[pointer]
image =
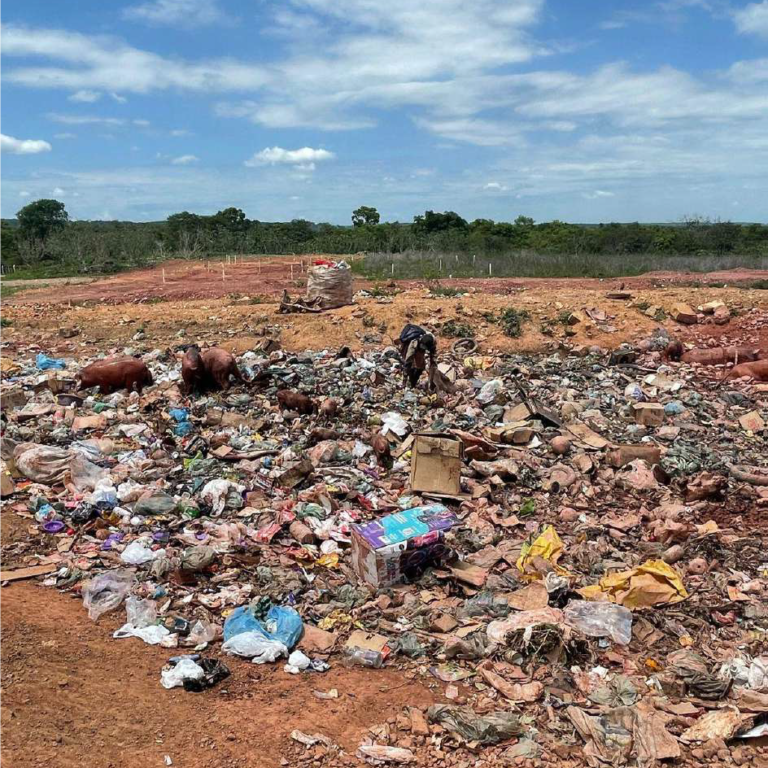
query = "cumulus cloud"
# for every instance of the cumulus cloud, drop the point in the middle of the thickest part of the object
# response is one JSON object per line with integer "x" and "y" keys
{"x": 496, "y": 186}
{"x": 753, "y": 19}
{"x": 85, "y": 96}
{"x": 303, "y": 159}
{"x": 57, "y": 192}
{"x": 177, "y": 13}
{"x": 23, "y": 146}
{"x": 24, "y": 193}
{"x": 184, "y": 160}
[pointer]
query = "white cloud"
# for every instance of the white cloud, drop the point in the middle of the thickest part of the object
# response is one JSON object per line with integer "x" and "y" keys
{"x": 23, "y": 146}
{"x": 65, "y": 135}
{"x": 118, "y": 98}
{"x": 85, "y": 96}
{"x": 141, "y": 123}
{"x": 303, "y": 159}
{"x": 753, "y": 19}
{"x": 598, "y": 193}
{"x": 496, "y": 186}
{"x": 84, "y": 119}
{"x": 58, "y": 192}
{"x": 184, "y": 160}
{"x": 105, "y": 63}
{"x": 177, "y": 13}
{"x": 180, "y": 132}
{"x": 24, "y": 193}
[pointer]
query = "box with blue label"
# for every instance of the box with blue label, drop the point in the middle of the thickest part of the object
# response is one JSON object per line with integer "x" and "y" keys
{"x": 400, "y": 546}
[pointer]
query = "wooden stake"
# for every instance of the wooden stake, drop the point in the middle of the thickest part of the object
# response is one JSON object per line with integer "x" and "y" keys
{"x": 393, "y": 267}
{"x": 490, "y": 268}
{"x": 163, "y": 275}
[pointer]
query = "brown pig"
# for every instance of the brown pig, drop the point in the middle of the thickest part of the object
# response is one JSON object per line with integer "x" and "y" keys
{"x": 329, "y": 407}
{"x": 114, "y": 374}
{"x": 210, "y": 369}
{"x": 219, "y": 366}
{"x": 757, "y": 371}
{"x": 289, "y": 400}
{"x": 381, "y": 448}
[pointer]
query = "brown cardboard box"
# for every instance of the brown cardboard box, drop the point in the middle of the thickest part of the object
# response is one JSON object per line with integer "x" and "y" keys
{"x": 649, "y": 414}
{"x": 436, "y": 463}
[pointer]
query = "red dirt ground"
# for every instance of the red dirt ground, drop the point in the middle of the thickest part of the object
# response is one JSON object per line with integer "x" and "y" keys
{"x": 74, "y": 696}
{"x": 269, "y": 276}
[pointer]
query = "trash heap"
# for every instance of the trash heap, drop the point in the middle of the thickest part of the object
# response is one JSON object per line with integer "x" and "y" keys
{"x": 570, "y": 549}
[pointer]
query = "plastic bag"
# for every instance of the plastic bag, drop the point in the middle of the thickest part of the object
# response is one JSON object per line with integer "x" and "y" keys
{"x": 106, "y": 591}
{"x": 600, "y": 620}
{"x": 394, "y": 422}
{"x": 245, "y": 635}
{"x": 42, "y": 463}
{"x": 490, "y": 391}
{"x": 152, "y": 635}
{"x": 201, "y": 632}
{"x": 85, "y": 474}
{"x": 297, "y": 662}
{"x": 255, "y": 646}
{"x": 332, "y": 284}
{"x": 486, "y": 729}
{"x": 140, "y": 613}
{"x": 197, "y": 558}
{"x": 129, "y": 491}
{"x": 215, "y": 493}
{"x": 45, "y": 363}
{"x": 158, "y": 503}
{"x": 184, "y": 669}
{"x": 137, "y": 553}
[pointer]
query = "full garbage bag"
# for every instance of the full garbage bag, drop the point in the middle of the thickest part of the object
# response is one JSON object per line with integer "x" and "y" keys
{"x": 245, "y": 635}
{"x": 138, "y": 553}
{"x": 185, "y": 669}
{"x": 331, "y": 283}
{"x": 157, "y": 504}
{"x": 42, "y": 463}
{"x": 106, "y": 591}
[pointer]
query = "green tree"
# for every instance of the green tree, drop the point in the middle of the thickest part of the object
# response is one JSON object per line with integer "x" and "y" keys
{"x": 37, "y": 222}
{"x": 365, "y": 214}
{"x": 432, "y": 222}
{"x": 8, "y": 244}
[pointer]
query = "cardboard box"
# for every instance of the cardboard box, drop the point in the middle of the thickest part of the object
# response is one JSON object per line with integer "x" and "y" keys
{"x": 399, "y": 546}
{"x": 649, "y": 414}
{"x": 436, "y": 463}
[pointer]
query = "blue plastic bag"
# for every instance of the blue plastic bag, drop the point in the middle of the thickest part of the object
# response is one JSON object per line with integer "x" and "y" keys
{"x": 183, "y": 428}
{"x": 180, "y": 414}
{"x": 45, "y": 363}
{"x": 283, "y": 624}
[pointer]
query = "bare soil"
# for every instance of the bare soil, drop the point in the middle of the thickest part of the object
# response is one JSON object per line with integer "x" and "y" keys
{"x": 74, "y": 696}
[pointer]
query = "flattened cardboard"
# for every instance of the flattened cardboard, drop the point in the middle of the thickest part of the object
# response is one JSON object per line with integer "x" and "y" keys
{"x": 436, "y": 462}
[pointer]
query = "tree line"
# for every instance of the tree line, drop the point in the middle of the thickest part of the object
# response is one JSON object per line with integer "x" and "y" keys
{"x": 43, "y": 234}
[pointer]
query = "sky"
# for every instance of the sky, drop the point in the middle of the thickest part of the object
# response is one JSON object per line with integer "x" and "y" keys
{"x": 579, "y": 110}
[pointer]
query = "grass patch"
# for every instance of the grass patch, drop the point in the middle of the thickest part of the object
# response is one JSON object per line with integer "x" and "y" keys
{"x": 5, "y": 322}
{"x": 511, "y": 321}
{"x": 445, "y": 291}
{"x": 455, "y": 329}
{"x": 758, "y": 285}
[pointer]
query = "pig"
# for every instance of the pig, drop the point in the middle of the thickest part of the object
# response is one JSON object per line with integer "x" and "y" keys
{"x": 673, "y": 351}
{"x": 289, "y": 400}
{"x": 210, "y": 369}
{"x": 381, "y": 448}
{"x": 114, "y": 374}
{"x": 757, "y": 371}
{"x": 721, "y": 355}
{"x": 329, "y": 407}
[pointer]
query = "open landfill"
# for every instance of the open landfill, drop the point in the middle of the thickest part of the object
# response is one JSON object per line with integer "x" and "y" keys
{"x": 565, "y": 551}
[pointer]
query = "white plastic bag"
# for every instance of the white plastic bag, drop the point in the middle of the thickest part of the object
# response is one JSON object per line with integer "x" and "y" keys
{"x": 137, "y": 553}
{"x": 186, "y": 669}
{"x": 600, "y": 620}
{"x": 253, "y": 645}
{"x": 297, "y": 662}
{"x": 489, "y": 391}
{"x": 394, "y": 422}
{"x": 215, "y": 493}
{"x": 140, "y": 613}
{"x": 152, "y": 635}
{"x": 106, "y": 591}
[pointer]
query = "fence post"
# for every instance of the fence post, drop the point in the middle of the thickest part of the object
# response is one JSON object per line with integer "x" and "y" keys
{"x": 490, "y": 269}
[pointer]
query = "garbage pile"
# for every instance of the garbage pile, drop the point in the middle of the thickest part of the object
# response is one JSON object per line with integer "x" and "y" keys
{"x": 572, "y": 548}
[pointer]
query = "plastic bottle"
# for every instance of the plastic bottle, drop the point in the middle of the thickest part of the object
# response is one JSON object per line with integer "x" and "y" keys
{"x": 363, "y": 657}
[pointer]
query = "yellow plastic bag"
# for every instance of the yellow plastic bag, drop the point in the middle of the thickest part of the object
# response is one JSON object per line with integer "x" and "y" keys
{"x": 548, "y": 546}
{"x": 652, "y": 583}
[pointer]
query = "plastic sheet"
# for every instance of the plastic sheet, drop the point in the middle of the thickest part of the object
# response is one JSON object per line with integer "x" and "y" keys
{"x": 106, "y": 591}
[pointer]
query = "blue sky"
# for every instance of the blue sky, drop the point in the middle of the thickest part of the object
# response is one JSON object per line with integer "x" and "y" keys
{"x": 580, "y": 110}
